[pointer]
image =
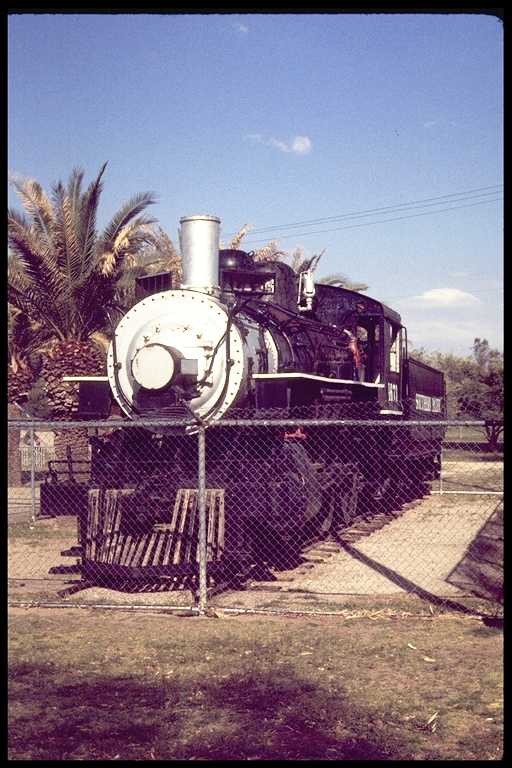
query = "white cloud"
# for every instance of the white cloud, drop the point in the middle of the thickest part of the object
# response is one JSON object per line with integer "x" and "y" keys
{"x": 454, "y": 335}
{"x": 242, "y": 28}
{"x": 281, "y": 145}
{"x": 446, "y": 319}
{"x": 444, "y": 298}
{"x": 299, "y": 145}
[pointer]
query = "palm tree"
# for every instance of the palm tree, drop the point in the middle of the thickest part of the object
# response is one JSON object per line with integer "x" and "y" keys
{"x": 160, "y": 255}
{"x": 13, "y": 449}
{"x": 63, "y": 275}
{"x": 19, "y": 381}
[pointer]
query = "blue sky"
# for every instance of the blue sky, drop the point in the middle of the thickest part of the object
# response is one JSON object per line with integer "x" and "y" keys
{"x": 274, "y": 120}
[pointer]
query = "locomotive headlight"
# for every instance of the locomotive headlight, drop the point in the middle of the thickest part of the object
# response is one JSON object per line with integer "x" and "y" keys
{"x": 153, "y": 366}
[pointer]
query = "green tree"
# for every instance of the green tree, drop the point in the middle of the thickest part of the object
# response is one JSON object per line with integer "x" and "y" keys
{"x": 483, "y": 396}
{"x": 474, "y": 385}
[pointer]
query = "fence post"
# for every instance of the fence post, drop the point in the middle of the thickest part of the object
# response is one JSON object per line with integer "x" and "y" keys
{"x": 441, "y": 471}
{"x": 201, "y": 502}
{"x": 33, "y": 473}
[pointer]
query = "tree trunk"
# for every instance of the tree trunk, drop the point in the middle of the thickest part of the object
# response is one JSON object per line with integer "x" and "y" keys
{"x": 493, "y": 432}
{"x": 14, "y": 476}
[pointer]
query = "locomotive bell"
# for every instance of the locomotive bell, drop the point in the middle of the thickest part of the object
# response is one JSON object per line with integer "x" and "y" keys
{"x": 199, "y": 242}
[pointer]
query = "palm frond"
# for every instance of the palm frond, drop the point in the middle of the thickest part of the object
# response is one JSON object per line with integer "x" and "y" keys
{"x": 26, "y": 337}
{"x": 135, "y": 206}
{"x": 166, "y": 245}
{"x": 17, "y": 329}
{"x": 297, "y": 259}
{"x": 315, "y": 260}
{"x": 237, "y": 239}
{"x": 30, "y": 303}
{"x": 17, "y": 276}
{"x": 37, "y": 205}
{"x": 74, "y": 194}
{"x": 71, "y": 246}
{"x": 88, "y": 209}
{"x": 163, "y": 256}
{"x": 35, "y": 258}
{"x": 269, "y": 252}
{"x": 302, "y": 263}
{"x": 342, "y": 281}
{"x": 129, "y": 275}
{"x": 129, "y": 240}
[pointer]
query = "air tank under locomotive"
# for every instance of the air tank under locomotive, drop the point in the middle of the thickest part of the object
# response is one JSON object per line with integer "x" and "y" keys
{"x": 243, "y": 338}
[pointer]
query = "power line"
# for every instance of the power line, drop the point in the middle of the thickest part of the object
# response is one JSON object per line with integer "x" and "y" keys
{"x": 465, "y": 195}
{"x": 371, "y": 223}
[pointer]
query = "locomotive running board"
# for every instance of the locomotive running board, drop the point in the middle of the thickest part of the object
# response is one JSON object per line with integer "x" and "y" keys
{"x": 314, "y": 377}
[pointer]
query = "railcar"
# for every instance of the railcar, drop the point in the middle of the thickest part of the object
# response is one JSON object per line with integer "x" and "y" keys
{"x": 240, "y": 338}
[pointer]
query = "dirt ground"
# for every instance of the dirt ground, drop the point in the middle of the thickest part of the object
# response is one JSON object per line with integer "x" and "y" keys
{"x": 415, "y": 552}
{"x": 425, "y": 551}
{"x": 367, "y": 685}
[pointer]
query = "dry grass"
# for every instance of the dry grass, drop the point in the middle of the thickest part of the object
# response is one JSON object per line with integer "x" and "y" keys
{"x": 94, "y": 685}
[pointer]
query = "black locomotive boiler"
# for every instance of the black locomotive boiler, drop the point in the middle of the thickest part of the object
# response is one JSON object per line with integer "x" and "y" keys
{"x": 246, "y": 339}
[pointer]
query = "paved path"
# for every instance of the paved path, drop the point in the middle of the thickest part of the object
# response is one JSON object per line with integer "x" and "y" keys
{"x": 420, "y": 548}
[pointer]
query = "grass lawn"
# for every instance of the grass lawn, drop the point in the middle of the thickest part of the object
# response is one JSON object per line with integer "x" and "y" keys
{"x": 97, "y": 685}
{"x": 468, "y": 434}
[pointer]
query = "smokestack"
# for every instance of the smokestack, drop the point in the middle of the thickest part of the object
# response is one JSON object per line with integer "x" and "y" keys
{"x": 199, "y": 243}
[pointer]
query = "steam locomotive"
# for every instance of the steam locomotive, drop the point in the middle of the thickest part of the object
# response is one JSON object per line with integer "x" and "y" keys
{"x": 251, "y": 339}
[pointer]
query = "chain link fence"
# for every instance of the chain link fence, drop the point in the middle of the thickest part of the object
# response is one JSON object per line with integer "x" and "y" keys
{"x": 270, "y": 515}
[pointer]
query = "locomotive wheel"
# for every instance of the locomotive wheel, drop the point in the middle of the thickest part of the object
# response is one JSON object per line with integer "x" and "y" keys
{"x": 350, "y": 499}
{"x": 298, "y": 467}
